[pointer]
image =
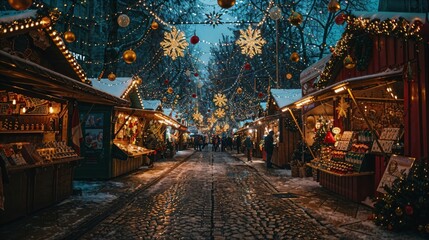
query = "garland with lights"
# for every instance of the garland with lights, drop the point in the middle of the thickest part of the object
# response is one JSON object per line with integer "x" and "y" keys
{"x": 357, "y": 28}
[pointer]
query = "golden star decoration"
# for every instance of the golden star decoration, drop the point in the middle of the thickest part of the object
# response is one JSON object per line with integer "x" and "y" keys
{"x": 174, "y": 43}
{"x": 197, "y": 116}
{"x": 250, "y": 42}
{"x": 220, "y": 113}
{"x": 220, "y": 99}
{"x": 342, "y": 108}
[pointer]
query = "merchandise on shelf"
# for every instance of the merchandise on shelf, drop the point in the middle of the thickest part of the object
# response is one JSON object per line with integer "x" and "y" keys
{"x": 55, "y": 150}
{"x": 132, "y": 150}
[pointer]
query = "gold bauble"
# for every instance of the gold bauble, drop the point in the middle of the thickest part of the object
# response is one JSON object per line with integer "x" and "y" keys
{"x": 289, "y": 76}
{"x": 69, "y": 36}
{"x": 348, "y": 62}
{"x": 129, "y": 56}
{"x": 123, "y": 20}
{"x": 45, "y": 22}
{"x": 164, "y": 99}
{"x": 295, "y": 18}
{"x": 111, "y": 76}
{"x": 226, "y": 3}
{"x": 333, "y": 6}
{"x": 294, "y": 57}
{"x": 20, "y": 4}
{"x": 170, "y": 90}
{"x": 154, "y": 25}
{"x": 239, "y": 90}
{"x": 398, "y": 211}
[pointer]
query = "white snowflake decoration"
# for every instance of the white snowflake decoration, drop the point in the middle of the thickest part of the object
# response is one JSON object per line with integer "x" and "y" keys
{"x": 197, "y": 117}
{"x": 250, "y": 42}
{"x": 220, "y": 99}
{"x": 342, "y": 108}
{"x": 220, "y": 113}
{"x": 174, "y": 43}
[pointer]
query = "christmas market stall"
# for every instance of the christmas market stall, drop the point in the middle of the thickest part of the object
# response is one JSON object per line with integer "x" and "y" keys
{"x": 41, "y": 87}
{"x": 368, "y": 103}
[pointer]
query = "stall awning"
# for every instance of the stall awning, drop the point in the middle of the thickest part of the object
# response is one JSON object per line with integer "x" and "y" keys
{"x": 362, "y": 83}
{"x": 153, "y": 115}
{"x": 23, "y": 76}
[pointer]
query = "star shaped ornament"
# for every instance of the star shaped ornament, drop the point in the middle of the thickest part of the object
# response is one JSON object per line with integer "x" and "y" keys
{"x": 342, "y": 108}
{"x": 250, "y": 42}
{"x": 174, "y": 44}
{"x": 219, "y": 99}
{"x": 197, "y": 116}
{"x": 220, "y": 113}
{"x": 214, "y": 19}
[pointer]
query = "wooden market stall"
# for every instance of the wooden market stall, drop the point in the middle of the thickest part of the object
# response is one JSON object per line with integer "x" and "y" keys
{"x": 41, "y": 85}
{"x": 370, "y": 97}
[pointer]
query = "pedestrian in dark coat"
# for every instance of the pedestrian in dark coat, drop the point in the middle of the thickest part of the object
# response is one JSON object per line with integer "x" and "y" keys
{"x": 269, "y": 147}
{"x": 238, "y": 142}
{"x": 249, "y": 147}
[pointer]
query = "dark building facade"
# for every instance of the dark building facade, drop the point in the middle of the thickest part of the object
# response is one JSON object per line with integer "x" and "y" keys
{"x": 403, "y": 6}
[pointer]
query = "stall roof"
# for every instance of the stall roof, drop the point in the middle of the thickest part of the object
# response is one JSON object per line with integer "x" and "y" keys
{"x": 23, "y": 76}
{"x": 116, "y": 88}
{"x": 285, "y": 97}
{"x": 151, "y": 104}
{"x": 170, "y": 112}
{"x": 362, "y": 83}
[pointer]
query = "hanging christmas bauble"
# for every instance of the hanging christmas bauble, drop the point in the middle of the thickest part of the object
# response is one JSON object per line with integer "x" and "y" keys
{"x": 239, "y": 90}
{"x": 329, "y": 138}
{"x": 295, "y": 18}
{"x": 45, "y": 22}
{"x": 275, "y": 13}
{"x": 294, "y": 57}
{"x": 154, "y": 25}
{"x": 20, "y": 4}
{"x": 333, "y": 6}
{"x": 208, "y": 110}
{"x": 195, "y": 39}
{"x": 200, "y": 85}
{"x": 111, "y": 76}
{"x": 348, "y": 62}
{"x": 196, "y": 74}
{"x": 409, "y": 210}
{"x": 194, "y": 95}
{"x": 189, "y": 80}
{"x": 164, "y": 99}
{"x": 69, "y": 36}
{"x": 260, "y": 95}
{"x": 226, "y": 3}
{"x": 129, "y": 56}
{"x": 170, "y": 90}
{"x": 247, "y": 66}
{"x": 332, "y": 49}
{"x": 340, "y": 19}
{"x": 289, "y": 76}
{"x": 398, "y": 211}
{"x": 123, "y": 20}
{"x": 166, "y": 81}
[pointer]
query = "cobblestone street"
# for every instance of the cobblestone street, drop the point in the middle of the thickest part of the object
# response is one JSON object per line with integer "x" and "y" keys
{"x": 211, "y": 196}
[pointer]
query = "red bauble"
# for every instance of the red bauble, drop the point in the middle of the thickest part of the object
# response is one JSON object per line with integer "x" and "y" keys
{"x": 332, "y": 49}
{"x": 340, "y": 19}
{"x": 247, "y": 66}
{"x": 209, "y": 110}
{"x": 260, "y": 95}
{"x": 329, "y": 138}
{"x": 194, "y": 95}
{"x": 195, "y": 39}
{"x": 196, "y": 74}
{"x": 409, "y": 210}
{"x": 166, "y": 81}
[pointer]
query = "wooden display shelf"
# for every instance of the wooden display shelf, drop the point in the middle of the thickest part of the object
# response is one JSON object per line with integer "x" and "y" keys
{"x": 44, "y": 164}
{"x": 340, "y": 174}
{"x": 24, "y": 131}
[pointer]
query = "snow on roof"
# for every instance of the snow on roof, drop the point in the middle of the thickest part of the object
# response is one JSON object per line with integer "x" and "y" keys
{"x": 284, "y": 97}
{"x": 167, "y": 112}
{"x": 410, "y": 17}
{"x": 116, "y": 88}
{"x": 151, "y": 104}
{"x": 10, "y": 16}
{"x": 263, "y": 105}
{"x": 314, "y": 70}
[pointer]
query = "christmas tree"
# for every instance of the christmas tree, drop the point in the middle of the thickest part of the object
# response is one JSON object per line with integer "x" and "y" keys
{"x": 405, "y": 206}
{"x": 319, "y": 138}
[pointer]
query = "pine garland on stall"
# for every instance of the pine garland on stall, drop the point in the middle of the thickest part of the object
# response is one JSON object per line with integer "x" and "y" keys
{"x": 319, "y": 138}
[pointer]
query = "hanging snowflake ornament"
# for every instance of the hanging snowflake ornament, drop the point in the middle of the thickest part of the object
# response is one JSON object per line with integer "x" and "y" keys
{"x": 211, "y": 119}
{"x": 214, "y": 19}
{"x": 342, "y": 108}
{"x": 220, "y": 112}
{"x": 219, "y": 99}
{"x": 197, "y": 116}
{"x": 174, "y": 43}
{"x": 250, "y": 42}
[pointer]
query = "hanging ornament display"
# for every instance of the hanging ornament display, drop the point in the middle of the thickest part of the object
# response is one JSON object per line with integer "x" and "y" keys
{"x": 333, "y": 6}
{"x": 170, "y": 90}
{"x": 20, "y": 5}
{"x": 239, "y": 90}
{"x": 129, "y": 56}
{"x": 295, "y": 18}
{"x": 69, "y": 36}
{"x": 154, "y": 25}
{"x": 250, "y": 42}
{"x": 220, "y": 113}
{"x": 289, "y": 76}
{"x": 123, "y": 20}
{"x": 342, "y": 108}
{"x": 275, "y": 13}
{"x": 111, "y": 76}
{"x": 214, "y": 18}
{"x": 329, "y": 138}
{"x": 174, "y": 43}
{"x": 195, "y": 39}
{"x": 226, "y": 3}
{"x": 340, "y": 19}
{"x": 219, "y": 99}
{"x": 247, "y": 66}
{"x": 348, "y": 62}
{"x": 294, "y": 57}
{"x": 260, "y": 95}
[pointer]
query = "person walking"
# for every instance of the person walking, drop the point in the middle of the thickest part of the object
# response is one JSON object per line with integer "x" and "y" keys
{"x": 249, "y": 146}
{"x": 269, "y": 147}
{"x": 238, "y": 142}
